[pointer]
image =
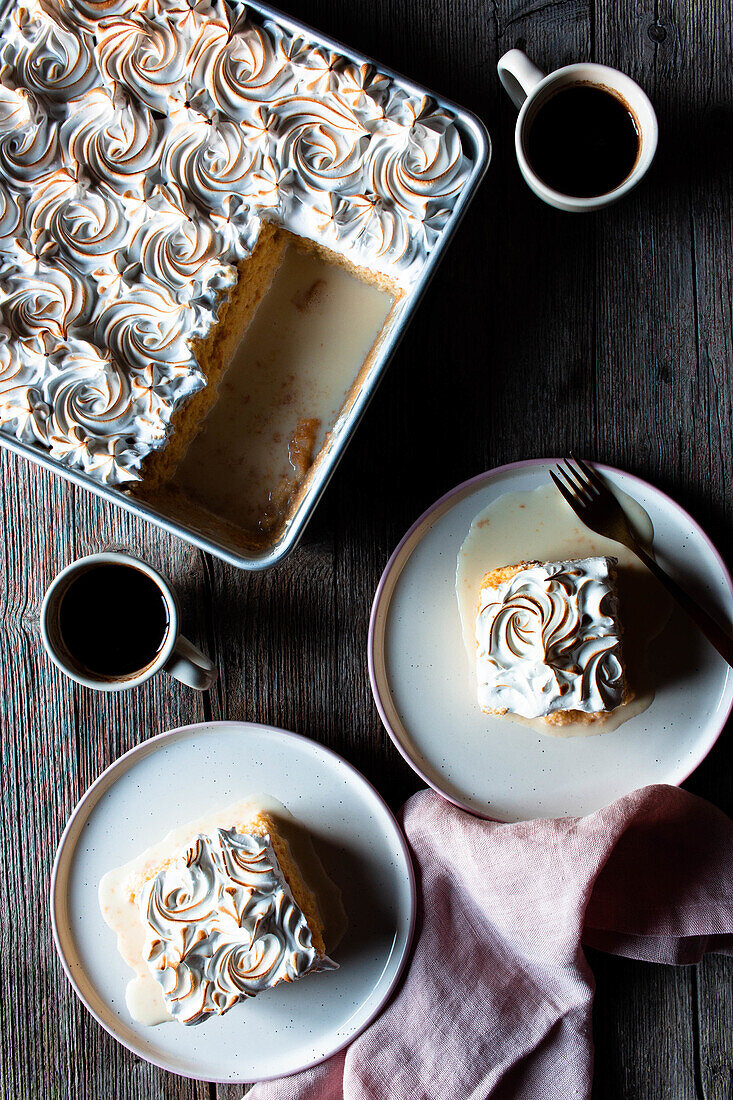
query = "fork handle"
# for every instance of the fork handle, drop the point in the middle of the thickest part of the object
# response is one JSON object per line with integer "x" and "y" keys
{"x": 707, "y": 625}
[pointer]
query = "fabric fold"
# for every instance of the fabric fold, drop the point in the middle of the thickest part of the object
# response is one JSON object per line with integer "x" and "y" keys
{"x": 497, "y": 997}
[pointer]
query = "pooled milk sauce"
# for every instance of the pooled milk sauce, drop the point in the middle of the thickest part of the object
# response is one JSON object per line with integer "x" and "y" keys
{"x": 297, "y": 361}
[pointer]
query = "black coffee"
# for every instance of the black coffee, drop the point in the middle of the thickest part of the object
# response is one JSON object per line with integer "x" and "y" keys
{"x": 583, "y": 141}
{"x": 113, "y": 620}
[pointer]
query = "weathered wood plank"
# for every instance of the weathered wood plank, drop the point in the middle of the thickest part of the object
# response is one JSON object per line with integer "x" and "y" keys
{"x": 643, "y": 1031}
{"x": 714, "y": 1017}
{"x": 664, "y": 366}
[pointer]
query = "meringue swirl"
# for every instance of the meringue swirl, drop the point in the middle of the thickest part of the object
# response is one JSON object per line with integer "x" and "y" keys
{"x": 321, "y": 141}
{"x": 144, "y": 327}
{"x": 149, "y": 58}
{"x": 89, "y": 225}
{"x": 211, "y": 160}
{"x": 86, "y": 14}
{"x": 186, "y": 895}
{"x": 181, "y": 252}
{"x": 416, "y": 156}
{"x": 29, "y": 155}
{"x": 54, "y": 63}
{"x": 45, "y": 302}
{"x": 221, "y": 925}
{"x": 114, "y": 138}
{"x": 234, "y": 72}
{"x": 93, "y": 403}
{"x": 549, "y": 640}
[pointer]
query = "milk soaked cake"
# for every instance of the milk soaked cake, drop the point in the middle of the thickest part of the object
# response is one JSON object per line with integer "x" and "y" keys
{"x": 215, "y": 913}
{"x": 548, "y": 641}
{"x": 159, "y": 160}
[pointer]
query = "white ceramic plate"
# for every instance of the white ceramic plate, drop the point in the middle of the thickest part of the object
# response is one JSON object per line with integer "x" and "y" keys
{"x": 180, "y": 775}
{"x": 417, "y": 664}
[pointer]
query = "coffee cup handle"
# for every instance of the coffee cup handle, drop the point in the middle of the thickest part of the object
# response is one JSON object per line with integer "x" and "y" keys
{"x": 519, "y": 75}
{"x": 189, "y": 665}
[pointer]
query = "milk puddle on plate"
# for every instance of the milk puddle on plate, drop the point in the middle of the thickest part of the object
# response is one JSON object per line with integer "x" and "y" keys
{"x": 144, "y": 996}
{"x": 538, "y": 525}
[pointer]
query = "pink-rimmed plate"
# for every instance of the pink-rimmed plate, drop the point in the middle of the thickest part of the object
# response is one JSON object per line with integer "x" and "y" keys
{"x": 180, "y": 775}
{"x": 418, "y": 671}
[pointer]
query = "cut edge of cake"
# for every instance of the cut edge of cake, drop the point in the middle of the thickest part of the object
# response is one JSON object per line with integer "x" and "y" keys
{"x": 303, "y": 896}
{"x": 213, "y": 354}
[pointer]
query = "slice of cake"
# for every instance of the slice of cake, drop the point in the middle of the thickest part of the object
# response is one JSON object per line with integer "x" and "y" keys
{"x": 219, "y": 918}
{"x": 549, "y": 641}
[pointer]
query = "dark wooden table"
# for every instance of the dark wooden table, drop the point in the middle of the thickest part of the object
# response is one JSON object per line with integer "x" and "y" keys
{"x": 608, "y": 333}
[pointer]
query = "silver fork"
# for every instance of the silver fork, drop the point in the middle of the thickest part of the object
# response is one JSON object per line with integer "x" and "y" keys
{"x": 595, "y": 504}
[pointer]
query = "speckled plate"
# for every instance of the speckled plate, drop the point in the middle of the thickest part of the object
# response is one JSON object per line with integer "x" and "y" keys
{"x": 417, "y": 664}
{"x": 180, "y": 775}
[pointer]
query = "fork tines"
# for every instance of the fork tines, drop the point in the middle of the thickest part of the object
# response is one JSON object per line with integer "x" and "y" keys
{"x": 580, "y": 481}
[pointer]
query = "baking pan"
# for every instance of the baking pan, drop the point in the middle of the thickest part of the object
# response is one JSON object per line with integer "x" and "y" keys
{"x": 477, "y": 145}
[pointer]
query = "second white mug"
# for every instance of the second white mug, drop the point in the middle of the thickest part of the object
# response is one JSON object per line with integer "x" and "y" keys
{"x": 529, "y": 88}
{"x": 173, "y": 653}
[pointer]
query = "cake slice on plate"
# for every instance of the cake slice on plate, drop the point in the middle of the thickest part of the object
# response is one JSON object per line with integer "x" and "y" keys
{"x": 549, "y": 642}
{"x": 216, "y": 913}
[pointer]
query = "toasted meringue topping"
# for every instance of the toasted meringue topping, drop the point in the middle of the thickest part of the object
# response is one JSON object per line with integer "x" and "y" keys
{"x": 177, "y": 250}
{"x": 29, "y": 154}
{"x": 10, "y": 218}
{"x": 86, "y": 14}
{"x": 211, "y": 160}
{"x": 45, "y": 301}
{"x": 233, "y": 72}
{"x": 221, "y": 925}
{"x": 549, "y": 640}
{"x": 321, "y": 141}
{"x": 148, "y": 57}
{"x": 86, "y": 226}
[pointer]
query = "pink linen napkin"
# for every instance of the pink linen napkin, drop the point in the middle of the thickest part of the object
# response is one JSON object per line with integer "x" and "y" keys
{"x": 496, "y": 1001}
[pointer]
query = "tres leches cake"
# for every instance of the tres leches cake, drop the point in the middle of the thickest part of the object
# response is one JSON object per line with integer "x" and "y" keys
{"x": 160, "y": 160}
{"x": 548, "y": 641}
{"x": 216, "y": 913}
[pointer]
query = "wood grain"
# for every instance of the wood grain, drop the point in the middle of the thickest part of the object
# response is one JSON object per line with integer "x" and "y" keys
{"x": 609, "y": 333}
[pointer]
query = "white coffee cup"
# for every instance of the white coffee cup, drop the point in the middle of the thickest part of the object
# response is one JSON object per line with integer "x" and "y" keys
{"x": 176, "y": 656}
{"x": 528, "y": 88}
